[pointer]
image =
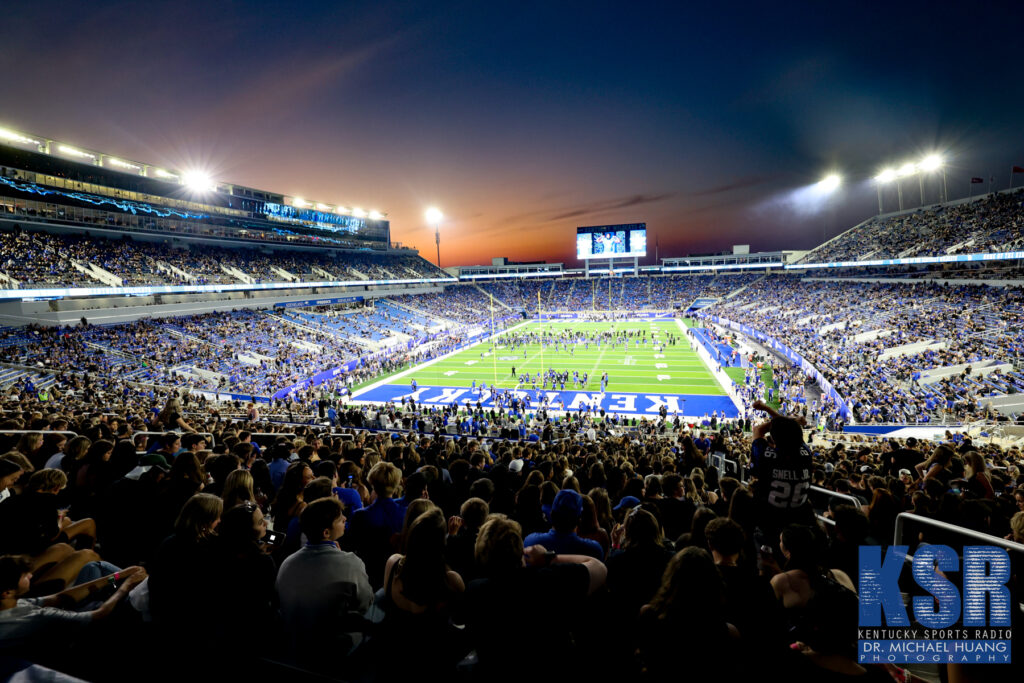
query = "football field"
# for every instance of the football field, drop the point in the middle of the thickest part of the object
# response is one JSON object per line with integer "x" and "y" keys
{"x": 645, "y": 371}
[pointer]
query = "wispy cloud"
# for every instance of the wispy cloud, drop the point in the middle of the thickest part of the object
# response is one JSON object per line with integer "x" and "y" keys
{"x": 740, "y": 184}
{"x": 540, "y": 216}
{"x": 600, "y": 207}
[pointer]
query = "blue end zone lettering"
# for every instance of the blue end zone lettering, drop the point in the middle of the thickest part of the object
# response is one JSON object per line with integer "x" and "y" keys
{"x": 641, "y": 404}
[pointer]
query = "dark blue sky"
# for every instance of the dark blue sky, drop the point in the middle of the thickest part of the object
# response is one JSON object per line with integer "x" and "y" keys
{"x": 522, "y": 121}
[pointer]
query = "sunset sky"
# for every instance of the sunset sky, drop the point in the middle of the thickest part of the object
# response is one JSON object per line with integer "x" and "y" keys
{"x": 524, "y": 120}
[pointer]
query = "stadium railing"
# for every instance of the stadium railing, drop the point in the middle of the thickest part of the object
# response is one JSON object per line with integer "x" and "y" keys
{"x": 211, "y": 441}
{"x": 820, "y": 493}
{"x": 70, "y": 435}
{"x": 904, "y": 517}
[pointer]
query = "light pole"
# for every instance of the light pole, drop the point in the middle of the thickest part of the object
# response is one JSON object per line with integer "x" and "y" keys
{"x": 828, "y": 185}
{"x": 932, "y": 163}
{"x": 434, "y": 217}
{"x": 907, "y": 169}
{"x": 886, "y": 176}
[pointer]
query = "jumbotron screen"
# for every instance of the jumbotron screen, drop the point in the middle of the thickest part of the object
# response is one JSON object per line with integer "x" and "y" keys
{"x": 611, "y": 241}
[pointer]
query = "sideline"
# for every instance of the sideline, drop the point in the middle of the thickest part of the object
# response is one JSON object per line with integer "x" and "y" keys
{"x": 720, "y": 376}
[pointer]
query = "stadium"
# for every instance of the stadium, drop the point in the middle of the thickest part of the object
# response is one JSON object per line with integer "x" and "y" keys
{"x": 252, "y": 434}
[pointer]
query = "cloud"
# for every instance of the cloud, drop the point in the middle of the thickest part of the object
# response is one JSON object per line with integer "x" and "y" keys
{"x": 742, "y": 183}
{"x": 609, "y": 205}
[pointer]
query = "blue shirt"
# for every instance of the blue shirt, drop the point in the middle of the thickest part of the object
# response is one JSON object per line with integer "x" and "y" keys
{"x": 565, "y": 543}
{"x": 383, "y": 513}
{"x": 277, "y": 470}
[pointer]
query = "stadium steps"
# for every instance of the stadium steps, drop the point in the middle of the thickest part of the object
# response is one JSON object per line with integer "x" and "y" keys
{"x": 9, "y": 281}
{"x": 741, "y": 289}
{"x": 237, "y": 274}
{"x": 416, "y": 311}
{"x": 115, "y": 353}
{"x": 182, "y": 335}
{"x": 488, "y": 295}
{"x": 174, "y": 270}
{"x": 311, "y": 326}
{"x": 10, "y": 376}
{"x": 97, "y": 273}
{"x": 546, "y": 297}
{"x": 284, "y": 274}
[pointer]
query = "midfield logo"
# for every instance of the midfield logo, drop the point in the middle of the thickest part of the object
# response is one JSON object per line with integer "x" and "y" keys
{"x": 950, "y": 625}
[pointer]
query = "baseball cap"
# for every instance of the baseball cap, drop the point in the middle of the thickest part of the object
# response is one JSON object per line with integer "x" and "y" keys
{"x": 627, "y": 502}
{"x": 155, "y": 460}
{"x": 516, "y": 465}
{"x": 567, "y": 501}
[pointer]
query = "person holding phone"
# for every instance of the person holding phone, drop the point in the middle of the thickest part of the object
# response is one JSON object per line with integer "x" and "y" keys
{"x": 241, "y": 575}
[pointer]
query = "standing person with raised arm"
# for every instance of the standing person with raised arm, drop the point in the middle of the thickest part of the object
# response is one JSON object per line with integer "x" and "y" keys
{"x": 782, "y": 467}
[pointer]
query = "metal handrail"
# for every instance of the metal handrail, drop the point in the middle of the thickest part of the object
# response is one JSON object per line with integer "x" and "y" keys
{"x": 835, "y": 494}
{"x": 211, "y": 441}
{"x": 952, "y": 528}
{"x": 44, "y": 432}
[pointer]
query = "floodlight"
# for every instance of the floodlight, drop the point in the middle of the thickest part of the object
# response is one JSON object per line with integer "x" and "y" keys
{"x": 122, "y": 164}
{"x": 376, "y": 215}
{"x": 342, "y": 210}
{"x": 74, "y": 152}
{"x": 358, "y": 213}
{"x": 932, "y": 162}
{"x": 298, "y": 201}
{"x": 17, "y": 137}
{"x": 830, "y": 183}
{"x": 906, "y": 169}
{"x": 434, "y": 215}
{"x": 886, "y": 176}
{"x": 198, "y": 181}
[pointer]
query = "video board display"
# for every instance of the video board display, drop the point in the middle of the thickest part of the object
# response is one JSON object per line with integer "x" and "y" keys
{"x": 611, "y": 241}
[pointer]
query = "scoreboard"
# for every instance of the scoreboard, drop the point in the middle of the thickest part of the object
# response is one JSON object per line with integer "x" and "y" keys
{"x": 611, "y": 241}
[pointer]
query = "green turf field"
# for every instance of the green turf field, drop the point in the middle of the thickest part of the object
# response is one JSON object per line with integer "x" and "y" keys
{"x": 672, "y": 369}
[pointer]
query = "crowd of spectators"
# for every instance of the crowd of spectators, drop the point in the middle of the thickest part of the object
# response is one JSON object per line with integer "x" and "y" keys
{"x": 992, "y": 223}
{"x": 463, "y": 304}
{"x": 618, "y": 545}
{"x": 831, "y": 324}
{"x": 35, "y": 259}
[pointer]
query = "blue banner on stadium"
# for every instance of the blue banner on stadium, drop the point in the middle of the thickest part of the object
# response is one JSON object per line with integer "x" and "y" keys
{"x": 318, "y": 302}
{"x": 914, "y": 260}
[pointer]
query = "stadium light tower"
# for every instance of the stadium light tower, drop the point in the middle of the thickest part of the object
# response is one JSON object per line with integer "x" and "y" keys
{"x": 903, "y": 171}
{"x": 886, "y": 176}
{"x": 825, "y": 187}
{"x": 932, "y": 163}
{"x": 434, "y": 217}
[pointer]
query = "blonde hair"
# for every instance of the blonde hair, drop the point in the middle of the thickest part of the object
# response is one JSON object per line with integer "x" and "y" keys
{"x": 198, "y": 516}
{"x": 384, "y": 478}
{"x": 45, "y": 480}
{"x": 499, "y": 545}
{"x": 238, "y": 488}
